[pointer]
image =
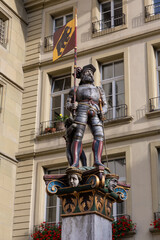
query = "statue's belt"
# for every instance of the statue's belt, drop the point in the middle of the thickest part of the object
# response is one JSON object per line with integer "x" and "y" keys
{"x": 89, "y": 104}
{"x": 90, "y": 101}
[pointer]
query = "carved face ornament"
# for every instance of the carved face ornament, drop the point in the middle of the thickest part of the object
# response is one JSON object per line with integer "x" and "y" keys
{"x": 112, "y": 184}
{"x": 73, "y": 180}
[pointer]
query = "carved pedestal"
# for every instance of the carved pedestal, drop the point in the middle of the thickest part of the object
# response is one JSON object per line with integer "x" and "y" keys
{"x": 86, "y": 227}
{"x": 87, "y": 207}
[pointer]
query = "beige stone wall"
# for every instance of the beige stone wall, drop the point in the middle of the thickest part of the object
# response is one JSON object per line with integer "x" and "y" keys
{"x": 135, "y": 137}
{"x": 11, "y": 78}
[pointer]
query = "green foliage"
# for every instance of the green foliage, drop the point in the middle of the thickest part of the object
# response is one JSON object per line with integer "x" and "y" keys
{"x": 61, "y": 118}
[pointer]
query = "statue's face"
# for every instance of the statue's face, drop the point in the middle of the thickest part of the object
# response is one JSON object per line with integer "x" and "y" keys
{"x": 73, "y": 180}
{"x": 87, "y": 76}
{"x": 112, "y": 184}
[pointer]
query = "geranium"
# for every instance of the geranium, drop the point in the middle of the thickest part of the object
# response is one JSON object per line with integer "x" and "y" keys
{"x": 156, "y": 224}
{"x": 121, "y": 226}
{"x": 46, "y": 231}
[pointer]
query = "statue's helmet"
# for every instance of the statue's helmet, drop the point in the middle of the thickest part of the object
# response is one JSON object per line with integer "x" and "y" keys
{"x": 87, "y": 74}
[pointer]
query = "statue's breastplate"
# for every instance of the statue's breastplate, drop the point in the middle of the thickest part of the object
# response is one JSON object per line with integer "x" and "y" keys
{"x": 87, "y": 92}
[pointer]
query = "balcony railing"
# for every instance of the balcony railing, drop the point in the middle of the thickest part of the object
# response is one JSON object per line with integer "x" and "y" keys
{"x": 48, "y": 43}
{"x": 116, "y": 217}
{"x": 50, "y": 127}
{"x": 156, "y": 215}
{"x": 118, "y": 112}
{"x": 115, "y": 21}
{"x": 154, "y": 104}
{"x": 152, "y": 9}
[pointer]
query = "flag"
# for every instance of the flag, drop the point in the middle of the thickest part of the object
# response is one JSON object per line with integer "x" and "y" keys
{"x": 64, "y": 40}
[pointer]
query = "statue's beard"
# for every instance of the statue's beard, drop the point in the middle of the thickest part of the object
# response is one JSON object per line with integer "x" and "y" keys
{"x": 87, "y": 79}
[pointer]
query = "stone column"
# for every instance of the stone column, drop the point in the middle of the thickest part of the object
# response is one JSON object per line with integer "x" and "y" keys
{"x": 86, "y": 227}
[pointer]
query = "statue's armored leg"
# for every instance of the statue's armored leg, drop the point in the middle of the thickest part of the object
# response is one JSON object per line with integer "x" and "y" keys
{"x": 76, "y": 147}
{"x": 76, "y": 152}
{"x": 97, "y": 148}
{"x": 83, "y": 159}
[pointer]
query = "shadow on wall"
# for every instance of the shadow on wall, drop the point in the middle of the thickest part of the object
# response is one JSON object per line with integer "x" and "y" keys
{"x": 141, "y": 113}
{"x": 20, "y": 9}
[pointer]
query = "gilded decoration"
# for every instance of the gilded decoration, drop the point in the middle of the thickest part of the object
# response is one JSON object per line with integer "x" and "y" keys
{"x": 99, "y": 202}
{"x": 87, "y": 190}
{"x": 69, "y": 203}
{"x": 108, "y": 207}
{"x": 85, "y": 201}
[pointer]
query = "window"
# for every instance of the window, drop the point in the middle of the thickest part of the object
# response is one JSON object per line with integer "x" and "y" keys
{"x": 111, "y": 14}
{"x": 156, "y": 6}
{"x": 158, "y": 179}
{"x": 158, "y": 71}
{"x": 152, "y": 9}
{"x": 154, "y": 103}
{"x": 57, "y": 23}
{"x": 3, "y": 29}
{"x": 1, "y": 96}
{"x": 113, "y": 85}
{"x": 61, "y": 21}
{"x": 118, "y": 166}
{"x": 53, "y": 203}
{"x": 60, "y": 90}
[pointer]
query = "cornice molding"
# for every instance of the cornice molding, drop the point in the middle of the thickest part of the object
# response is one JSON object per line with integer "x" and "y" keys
{"x": 113, "y": 139}
{"x": 24, "y": 21}
{"x": 17, "y": 86}
{"x": 153, "y": 114}
{"x": 8, "y": 158}
{"x": 96, "y": 48}
{"x": 32, "y": 5}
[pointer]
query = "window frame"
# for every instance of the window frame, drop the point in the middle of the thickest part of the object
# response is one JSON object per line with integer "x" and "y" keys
{"x": 158, "y": 71}
{"x": 154, "y": 161}
{"x": 121, "y": 179}
{"x": 58, "y": 201}
{"x": 113, "y": 81}
{"x": 59, "y": 93}
{"x": 64, "y": 20}
{"x": 5, "y": 20}
{"x": 1, "y": 96}
{"x": 112, "y": 9}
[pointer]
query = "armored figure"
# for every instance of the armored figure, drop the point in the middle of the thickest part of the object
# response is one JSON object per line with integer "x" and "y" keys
{"x": 90, "y": 107}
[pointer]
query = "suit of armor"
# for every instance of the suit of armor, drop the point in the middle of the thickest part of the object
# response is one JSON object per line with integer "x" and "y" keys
{"x": 88, "y": 112}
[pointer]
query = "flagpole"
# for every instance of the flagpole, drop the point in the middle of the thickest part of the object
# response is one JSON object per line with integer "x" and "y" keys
{"x": 75, "y": 61}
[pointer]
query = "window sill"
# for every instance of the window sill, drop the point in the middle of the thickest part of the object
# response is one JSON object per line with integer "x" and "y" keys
{"x": 152, "y": 18}
{"x": 128, "y": 235}
{"x": 154, "y": 231}
{"x": 109, "y": 30}
{"x": 118, "y": 121}
{"x": 51, "y": 135}
{"x": 153, "y": 114}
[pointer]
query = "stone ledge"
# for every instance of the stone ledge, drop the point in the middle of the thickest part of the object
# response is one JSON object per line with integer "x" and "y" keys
{"x": 152, "y": 18}
{"x": 153, "y": 114}
{"x": 154, "y": 231}
{"x": 128, "y": 235}
{"x": 109, "y": 30}
{"x": 118, "y": 121}
{"x": 50, "y": 135}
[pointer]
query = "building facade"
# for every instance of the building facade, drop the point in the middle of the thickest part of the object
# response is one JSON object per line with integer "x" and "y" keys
{"x": 123, "y": 42}
{"x": 13, "y": 26}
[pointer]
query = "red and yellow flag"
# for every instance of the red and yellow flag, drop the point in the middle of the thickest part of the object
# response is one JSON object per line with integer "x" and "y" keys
{"x": 64, "y": 40}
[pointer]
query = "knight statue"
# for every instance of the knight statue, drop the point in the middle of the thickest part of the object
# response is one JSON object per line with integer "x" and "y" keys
{"x": 90, "y": 107}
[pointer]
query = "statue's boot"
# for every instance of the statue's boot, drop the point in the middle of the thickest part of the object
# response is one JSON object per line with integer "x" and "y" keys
{"x": 97, "y": 148}
{"x": 76, "y": 152}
